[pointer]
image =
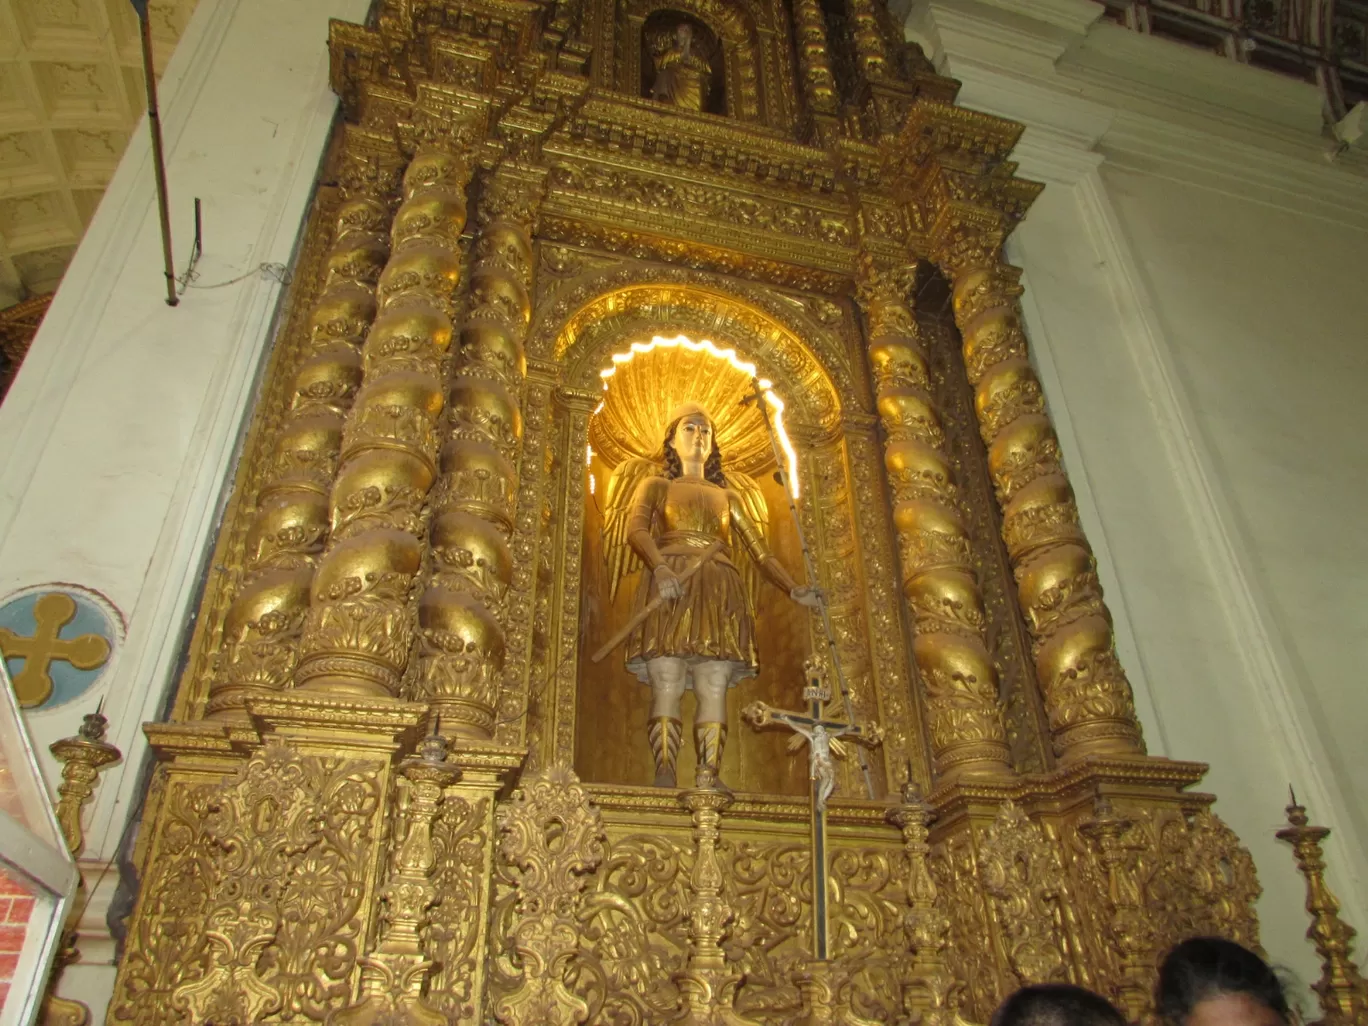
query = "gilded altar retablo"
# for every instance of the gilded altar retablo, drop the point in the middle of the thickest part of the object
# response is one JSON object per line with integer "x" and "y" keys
{"x": 398, "y": 786}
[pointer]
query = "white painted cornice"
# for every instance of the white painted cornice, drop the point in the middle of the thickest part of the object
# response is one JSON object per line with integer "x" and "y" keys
{"x": 1194, "y": 81}
{"x": 1064, "y": 128}
{"x": 1089, "y": 90}
{"x": 1306, "y": 184}
{"x": 987, "y": 33}
{"x": 1072, "y": 16}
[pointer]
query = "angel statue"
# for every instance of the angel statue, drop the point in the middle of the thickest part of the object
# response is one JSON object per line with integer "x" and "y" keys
{"x": 683, "y": 72}
{"x": 696, "y": 606}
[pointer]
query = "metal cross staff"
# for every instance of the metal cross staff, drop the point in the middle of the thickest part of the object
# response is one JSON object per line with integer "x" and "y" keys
{"x": 821, "y": 734}
{"x": 757, "y": 398}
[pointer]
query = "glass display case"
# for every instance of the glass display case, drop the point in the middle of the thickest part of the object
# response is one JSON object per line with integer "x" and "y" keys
{"x": 38, "y": 877}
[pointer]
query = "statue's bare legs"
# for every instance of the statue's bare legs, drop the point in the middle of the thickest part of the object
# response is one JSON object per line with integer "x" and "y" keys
{"x": 665, "y": 728}
{"x": 669, "y": 675}
{"x": 710, "y": 718}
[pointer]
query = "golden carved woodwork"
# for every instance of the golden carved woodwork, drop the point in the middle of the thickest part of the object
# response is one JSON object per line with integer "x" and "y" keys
{"x": 291, "y": 524}
{"x": 83, "y": 757}
{"x": 18, "y": 326}
{"x": 394, "y": 975}
{"x": 1342, "y": 990}
{"x": 552, "y": 837}
{"x": 929, "y": 989}
{"x": 414, "y": 542}
{"x": 948, "y": 618}
{"x": 463, "y": 615}
{"x": 637, "y": 407}
{"x": 819, "y": 86}
{"x": 967, "y": 201}
{"x": 358, "y": 631}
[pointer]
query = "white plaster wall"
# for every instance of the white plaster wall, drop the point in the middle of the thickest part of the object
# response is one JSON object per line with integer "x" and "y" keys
{"x": 1195, "y": 302}
{"x": 1265, "y": 312}
{"x": 121, "y": 427}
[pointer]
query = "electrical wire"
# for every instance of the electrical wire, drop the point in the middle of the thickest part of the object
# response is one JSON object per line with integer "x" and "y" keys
{"x": 268, "y": 271}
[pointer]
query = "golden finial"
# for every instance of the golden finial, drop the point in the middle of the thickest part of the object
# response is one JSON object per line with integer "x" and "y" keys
{"x": 83, "y": 756}
{"x": 1342, "y": 991}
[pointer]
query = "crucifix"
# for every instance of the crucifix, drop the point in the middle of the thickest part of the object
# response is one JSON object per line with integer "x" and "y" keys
{"x": 824, "y": 741}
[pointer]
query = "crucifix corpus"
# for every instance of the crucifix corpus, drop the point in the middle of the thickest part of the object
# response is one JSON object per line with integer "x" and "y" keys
{"x": 824, "y": 741}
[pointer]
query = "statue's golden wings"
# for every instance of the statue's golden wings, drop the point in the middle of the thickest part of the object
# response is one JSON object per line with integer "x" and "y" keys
{"x": 617, "y": 510}
{"x": 623, "y": 561}
{"x": 757, "y": 511}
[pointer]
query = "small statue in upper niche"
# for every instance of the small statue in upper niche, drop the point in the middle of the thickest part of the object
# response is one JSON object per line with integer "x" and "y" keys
{"x": 683, "y": 69}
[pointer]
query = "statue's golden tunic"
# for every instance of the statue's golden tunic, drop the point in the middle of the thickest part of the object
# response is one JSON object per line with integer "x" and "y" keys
{"x": 711, "y": 620}
{"x": 681, "y": 78}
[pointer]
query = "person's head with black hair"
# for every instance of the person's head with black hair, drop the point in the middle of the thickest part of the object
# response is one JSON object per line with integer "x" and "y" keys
{"x": 1208, "y": 981}
{"x": 1056, "y": 1004}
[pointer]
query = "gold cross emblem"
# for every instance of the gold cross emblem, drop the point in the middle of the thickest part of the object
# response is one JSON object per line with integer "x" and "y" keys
{"x": 52, "y": 612}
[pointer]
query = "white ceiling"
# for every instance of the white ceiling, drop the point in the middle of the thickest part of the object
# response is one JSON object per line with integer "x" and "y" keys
{"x": 71, "y": 91}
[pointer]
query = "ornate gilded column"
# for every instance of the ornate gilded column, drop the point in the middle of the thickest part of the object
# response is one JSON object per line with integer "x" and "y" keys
{"x": 942, "y": 592}
{"x": 869, "y": 47}
{"x": 463, "y": 613}
{"x": 707, "y": 986}
{"x": 1087, "y": 697}
{"x": 290, "y": 526}
{"x": 359, "y": 629}
{"x": 928, "y": 982}
{"x": 819, "y": 85}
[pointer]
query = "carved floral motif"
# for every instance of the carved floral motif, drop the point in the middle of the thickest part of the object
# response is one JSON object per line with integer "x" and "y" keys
{"x": 261, "y": 873}
{"x": 553, "y": 836}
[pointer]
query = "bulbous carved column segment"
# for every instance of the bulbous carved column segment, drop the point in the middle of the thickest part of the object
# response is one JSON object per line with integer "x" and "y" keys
{"x": 819, "y": 85}
{"x": 869, "y": 46}
{"x": 291, "y": 525}
{"x": 1087, "y": 697}
{"x": 359, "y": 629}
{"x": 463, "y": 612}
{"x": 939, "y": 583}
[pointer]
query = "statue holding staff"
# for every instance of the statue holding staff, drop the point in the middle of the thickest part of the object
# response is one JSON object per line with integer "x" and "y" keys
{"x": 694, "y": 612}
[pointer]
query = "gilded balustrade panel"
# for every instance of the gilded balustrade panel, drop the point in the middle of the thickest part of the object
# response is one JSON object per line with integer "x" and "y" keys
{"x": 632, "y": 914}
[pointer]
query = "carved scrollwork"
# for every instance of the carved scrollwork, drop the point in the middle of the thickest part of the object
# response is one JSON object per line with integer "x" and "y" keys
{"x": 552, "y": 834}
{"x": 955, "y": 870}
{"x": 260, "y": 874}
{"x": 410, "y": 524}
{"x": 458, "y": 840}
{"x": 1023, "y": 875}
{"x": 695, "y": 200}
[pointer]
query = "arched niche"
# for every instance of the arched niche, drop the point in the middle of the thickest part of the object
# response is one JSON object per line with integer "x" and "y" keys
{"x": 755, "y": 53}
{"x": 580, "y": 711}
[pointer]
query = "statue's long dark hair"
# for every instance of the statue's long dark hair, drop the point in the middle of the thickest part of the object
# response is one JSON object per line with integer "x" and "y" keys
{"x": 674, "y": 466}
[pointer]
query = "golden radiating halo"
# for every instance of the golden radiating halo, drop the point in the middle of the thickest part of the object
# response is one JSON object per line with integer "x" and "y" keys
{"x": 644, "y": 384}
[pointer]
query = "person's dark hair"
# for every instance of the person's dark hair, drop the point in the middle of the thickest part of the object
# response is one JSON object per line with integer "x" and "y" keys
{"x": 1056, "y": 1004}
{"x": 674, "y": 466}
{"x": 1208, "y": 967}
